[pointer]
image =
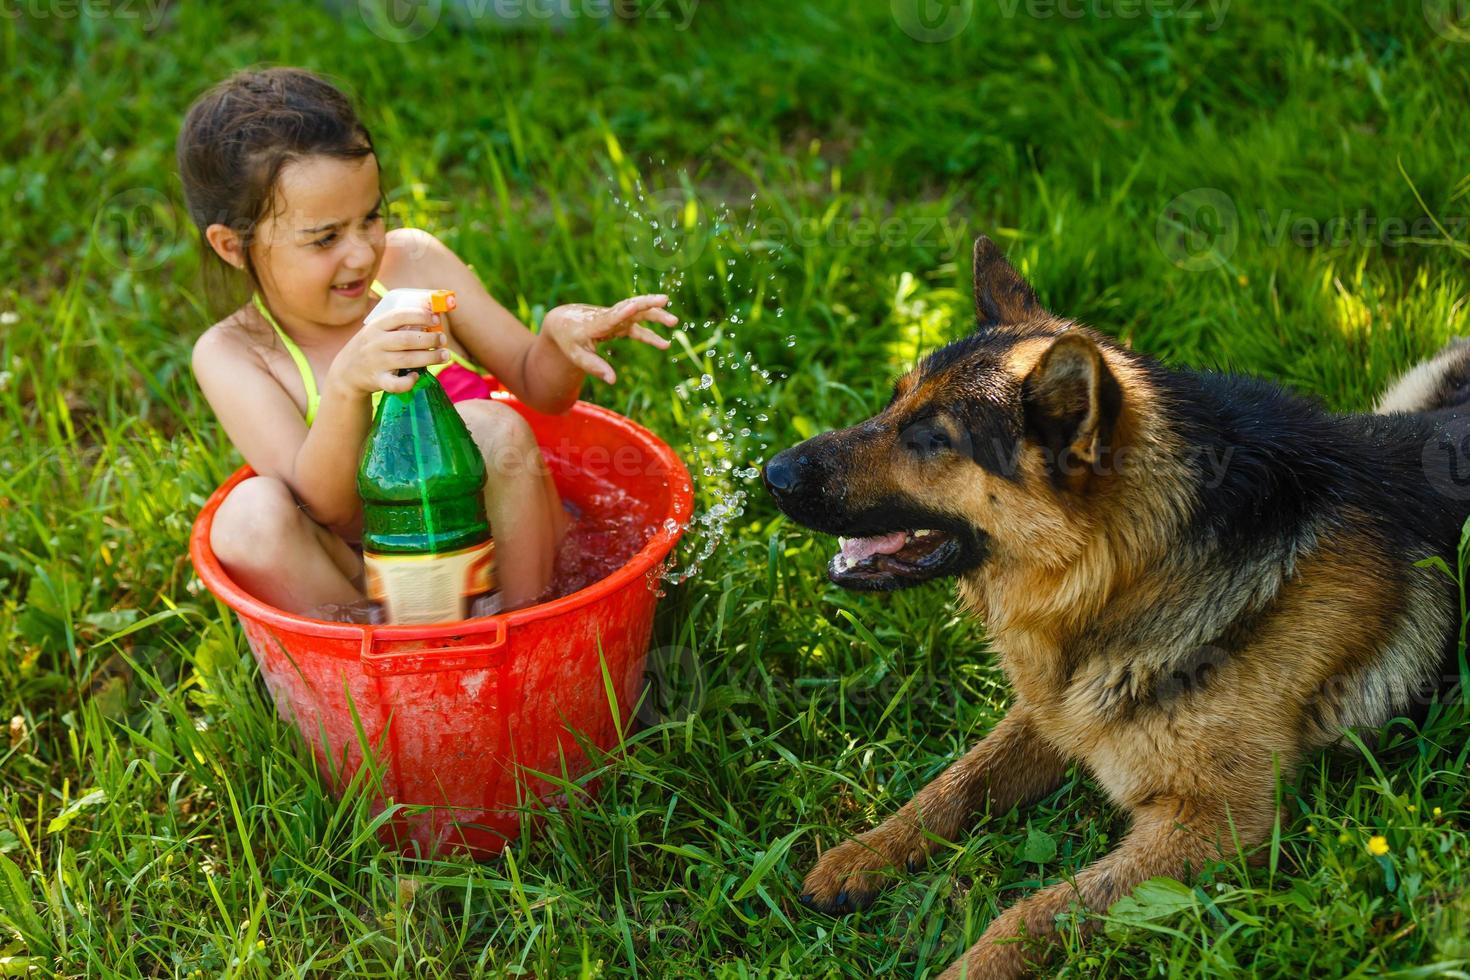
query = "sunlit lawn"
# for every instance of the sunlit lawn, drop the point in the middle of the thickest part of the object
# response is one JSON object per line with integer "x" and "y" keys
{"x": 824, "y": 171}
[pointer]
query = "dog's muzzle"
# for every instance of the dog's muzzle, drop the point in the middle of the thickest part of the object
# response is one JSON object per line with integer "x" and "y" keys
{"x": 889, "y": 545}
{"x": 788, "y": 473}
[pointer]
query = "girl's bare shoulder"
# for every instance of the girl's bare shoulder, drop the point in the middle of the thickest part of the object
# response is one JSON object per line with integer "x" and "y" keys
{"x": 409, "y": 256}
{"x": 234, "y": 341}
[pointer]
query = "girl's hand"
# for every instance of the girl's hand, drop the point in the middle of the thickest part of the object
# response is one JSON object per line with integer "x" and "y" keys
{"x": 406, "y": 339}
{"x": 578, "y": 328}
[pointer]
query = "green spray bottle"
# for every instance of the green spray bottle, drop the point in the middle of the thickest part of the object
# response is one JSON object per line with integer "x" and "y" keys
{"x": 428, "y": 551}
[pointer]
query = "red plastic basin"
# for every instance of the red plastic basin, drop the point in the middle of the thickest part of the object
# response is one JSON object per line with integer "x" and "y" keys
{"x": 462, "y": 716}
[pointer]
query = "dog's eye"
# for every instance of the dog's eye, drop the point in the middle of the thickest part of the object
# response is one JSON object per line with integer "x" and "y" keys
{"x": 927, "y": 441}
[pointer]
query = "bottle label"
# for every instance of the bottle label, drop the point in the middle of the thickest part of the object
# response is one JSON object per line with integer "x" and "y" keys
{"x": 430, "y": 588}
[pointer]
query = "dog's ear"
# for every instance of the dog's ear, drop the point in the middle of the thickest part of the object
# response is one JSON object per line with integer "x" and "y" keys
{"x": 1071, "y": 401}
{"x": 1001, "y": 295}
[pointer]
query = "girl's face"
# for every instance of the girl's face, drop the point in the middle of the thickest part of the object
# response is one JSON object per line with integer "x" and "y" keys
{"x": 321, "y": 247}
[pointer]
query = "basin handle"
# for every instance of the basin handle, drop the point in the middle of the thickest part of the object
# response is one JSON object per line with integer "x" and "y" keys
{"x": 387, "y": 662}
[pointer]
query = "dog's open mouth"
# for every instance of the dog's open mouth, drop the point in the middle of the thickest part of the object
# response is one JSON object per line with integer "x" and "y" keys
{"x": 893, "y": 560}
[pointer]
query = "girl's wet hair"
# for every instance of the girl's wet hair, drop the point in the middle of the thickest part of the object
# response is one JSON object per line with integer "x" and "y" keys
{"x": 236, "y": 139}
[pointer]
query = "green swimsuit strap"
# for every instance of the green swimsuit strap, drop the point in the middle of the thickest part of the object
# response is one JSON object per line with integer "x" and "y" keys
{"x": 308, "y": 380}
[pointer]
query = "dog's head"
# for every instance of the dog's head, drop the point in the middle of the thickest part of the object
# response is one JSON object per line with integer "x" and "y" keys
{"x": 993, "y": 446}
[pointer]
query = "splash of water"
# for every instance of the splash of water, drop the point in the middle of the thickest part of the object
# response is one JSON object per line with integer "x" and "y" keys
{"x": 727, "y": 438}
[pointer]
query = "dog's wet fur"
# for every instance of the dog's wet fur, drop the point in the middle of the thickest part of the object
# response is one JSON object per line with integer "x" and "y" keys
{"x": 1191, "y": 580}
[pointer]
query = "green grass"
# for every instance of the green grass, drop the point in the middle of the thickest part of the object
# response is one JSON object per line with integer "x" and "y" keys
{"x": 159, "y": 818}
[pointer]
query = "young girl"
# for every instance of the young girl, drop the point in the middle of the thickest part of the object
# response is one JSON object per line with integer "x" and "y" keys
{"x": 282, "y": 180}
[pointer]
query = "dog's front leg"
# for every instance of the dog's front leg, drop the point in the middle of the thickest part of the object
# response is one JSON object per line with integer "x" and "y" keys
{"x": 1168, "y": 837}
{"x": 1011, "y": 765}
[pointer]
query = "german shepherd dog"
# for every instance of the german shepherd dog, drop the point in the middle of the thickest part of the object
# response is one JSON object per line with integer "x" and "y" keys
{"x": 1191, "y": 580}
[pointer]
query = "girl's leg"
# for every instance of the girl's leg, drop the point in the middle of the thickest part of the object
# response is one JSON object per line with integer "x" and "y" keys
{"x": 525, "y": 510}
{"x": 275, "y": 552}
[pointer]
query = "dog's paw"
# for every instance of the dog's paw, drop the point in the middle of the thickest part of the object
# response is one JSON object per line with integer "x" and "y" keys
{"x": 847, "y": 877}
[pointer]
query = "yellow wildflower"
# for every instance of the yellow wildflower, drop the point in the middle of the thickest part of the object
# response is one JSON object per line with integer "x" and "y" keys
{"x": 1377, "y": 845}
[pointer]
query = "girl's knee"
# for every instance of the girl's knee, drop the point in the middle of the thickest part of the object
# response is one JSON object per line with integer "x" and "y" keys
{"x": 504, "y": 437}
{"x": 494, "y": 423}
{"x": 258, "y": 514}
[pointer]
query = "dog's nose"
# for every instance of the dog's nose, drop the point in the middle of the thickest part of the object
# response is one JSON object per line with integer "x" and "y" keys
{"x": 783, "y": 473}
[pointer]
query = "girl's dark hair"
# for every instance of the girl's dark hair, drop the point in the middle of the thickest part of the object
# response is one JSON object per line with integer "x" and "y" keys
{"x": 236, "y": 139}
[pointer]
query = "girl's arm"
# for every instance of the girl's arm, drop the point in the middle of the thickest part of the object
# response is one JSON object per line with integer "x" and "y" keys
{"x": 324, "y": 470}
{"x": 545, "y": 370}
{"x": 318, "y": 463}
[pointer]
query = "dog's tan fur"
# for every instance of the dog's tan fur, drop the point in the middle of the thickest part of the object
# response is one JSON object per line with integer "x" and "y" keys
{"x": 1075, "y": 565}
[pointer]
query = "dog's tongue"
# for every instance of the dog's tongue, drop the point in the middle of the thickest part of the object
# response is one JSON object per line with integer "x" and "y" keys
{"x": 856, "y": 549}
